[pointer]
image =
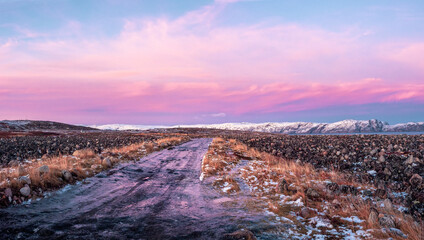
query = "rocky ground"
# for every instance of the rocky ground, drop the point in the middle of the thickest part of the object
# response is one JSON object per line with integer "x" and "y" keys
{"x": 15, "y": 149}
{"x": 392, "y": 163}
{"x": 299, "y": 201}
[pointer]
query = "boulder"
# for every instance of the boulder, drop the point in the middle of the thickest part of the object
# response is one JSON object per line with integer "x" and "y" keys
{"x": 381, "y": 159}
{"x": 282, "y": 186}
{"x": 107, "y": 162}
{"x": 387, "y": 172}
{"x": 306, "y": 212}
{"x": 396, "y": 232}
{"x": 381, "y": 193}
{"x": 334, "y": 187}
{"x": 410, "y": 160}
{"x": 312, "y": 194}
{"x": 8, "y": 192}
{"x": 388, "y": 206}
{"x": 387, "y": 221}
{"x": 43, "y": 169}
{"x": 348, "y": 189}
{"x": 66, "y": 175}
{"x": 367, "y": 193}
{"x": 25, "y": 191}
{"x": 25, "y": 179}
{"x": 373, "y": 217}
{"x": 415, "y": 180}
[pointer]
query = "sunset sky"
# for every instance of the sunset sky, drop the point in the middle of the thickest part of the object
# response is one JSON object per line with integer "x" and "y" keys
{"x": 198, "y": 61}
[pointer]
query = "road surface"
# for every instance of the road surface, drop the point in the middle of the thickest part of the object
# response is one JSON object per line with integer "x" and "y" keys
{"x": 158, "y": 197}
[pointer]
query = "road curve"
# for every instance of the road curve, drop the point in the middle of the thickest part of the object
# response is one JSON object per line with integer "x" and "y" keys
{"x": 158, "y": 197}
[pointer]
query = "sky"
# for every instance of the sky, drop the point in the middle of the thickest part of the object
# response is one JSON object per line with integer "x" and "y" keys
{"x": 203, "y": 61}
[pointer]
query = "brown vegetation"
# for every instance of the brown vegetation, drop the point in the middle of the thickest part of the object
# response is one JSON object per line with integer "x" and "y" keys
{"x": 273, "y": 178}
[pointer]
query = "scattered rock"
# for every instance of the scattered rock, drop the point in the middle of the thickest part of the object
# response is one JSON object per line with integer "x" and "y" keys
{"x": 388, "y": 206}
{"x": 373, "y": 217}
{"x": 25, "y": 179}
{"x": 282, "y": 186}
{"x": 312, "y": 194}
{"x": 396, "y": 231}
{"x": 67, "y": 175}
{"x": 25, "y": 191}
{"x": 416, "y": 180}
{"x": 347, "y": 189}
{"x": 43, "y": 169}
{"x": 334, "y": 187}
{"x": 387, "y": 172}
{"x": 306, "y": 212}
{"x": 387, "y": 221}
{"x": 410, "y": 160}
{"x": 381, "y": 193}
{"x": 367, "y": 193}
{"x": 8, "y": 192}
{"x": 240, "y": 235}
{"x": 107, "y": 162}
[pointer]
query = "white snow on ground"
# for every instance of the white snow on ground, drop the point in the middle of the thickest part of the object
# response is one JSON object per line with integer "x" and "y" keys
{"x": 226, "y": 189}
{"x": 320, "y": 222}
{"x": 353, "y": 219}
{"x": 297, "y": 203}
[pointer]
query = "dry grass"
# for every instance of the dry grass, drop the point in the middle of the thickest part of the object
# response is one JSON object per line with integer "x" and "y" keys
{"x": 217, "y": 160}
{"x": 84, "y": 153}
{"x": 227, "y": 184}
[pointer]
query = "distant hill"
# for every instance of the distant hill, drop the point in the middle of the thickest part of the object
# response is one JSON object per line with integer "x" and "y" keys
{"x": 28, "y": 125}
{"x": 345, "y": 126}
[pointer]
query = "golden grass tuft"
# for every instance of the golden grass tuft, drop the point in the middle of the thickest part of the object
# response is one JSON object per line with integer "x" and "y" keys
{"x": 84, "y": 153}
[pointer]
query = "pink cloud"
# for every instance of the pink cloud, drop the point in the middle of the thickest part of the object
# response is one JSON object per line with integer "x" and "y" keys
{"x": 192, "y": 65}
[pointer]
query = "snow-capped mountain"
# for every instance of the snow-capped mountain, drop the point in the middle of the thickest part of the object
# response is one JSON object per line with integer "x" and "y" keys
{"x": 345, "y": 126}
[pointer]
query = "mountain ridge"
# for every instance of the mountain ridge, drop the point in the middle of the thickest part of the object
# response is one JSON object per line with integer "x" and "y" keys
{"x": 344, "y": 126}
{"x": 33, "y": 125}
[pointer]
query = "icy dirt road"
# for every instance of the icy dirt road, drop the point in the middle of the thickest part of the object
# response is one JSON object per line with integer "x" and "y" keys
{"x": 158, "y": 197}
